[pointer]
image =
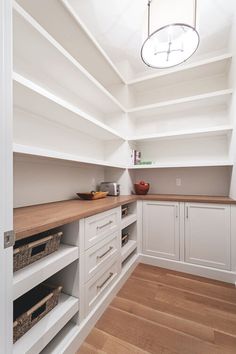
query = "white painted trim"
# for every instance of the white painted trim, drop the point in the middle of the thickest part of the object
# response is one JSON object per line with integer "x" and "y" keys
{"x": 6, "y": 180}
{"x": 207, "y": 272}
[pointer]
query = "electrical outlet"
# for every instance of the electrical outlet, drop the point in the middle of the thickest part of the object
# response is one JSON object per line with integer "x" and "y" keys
{"x": 178, "y": 182}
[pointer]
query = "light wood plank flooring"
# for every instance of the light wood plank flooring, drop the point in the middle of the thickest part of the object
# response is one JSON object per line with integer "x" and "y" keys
{"x": 166, "y": 312}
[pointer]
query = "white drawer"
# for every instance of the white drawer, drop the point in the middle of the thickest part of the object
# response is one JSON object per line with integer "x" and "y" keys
{"x": 99, "y": 255}
{"x": 100, "y": 225}
{"x": 97, "y": 287}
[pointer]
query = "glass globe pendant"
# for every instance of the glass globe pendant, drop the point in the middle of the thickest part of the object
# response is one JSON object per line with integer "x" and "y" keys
{"x": 172, "y": 43}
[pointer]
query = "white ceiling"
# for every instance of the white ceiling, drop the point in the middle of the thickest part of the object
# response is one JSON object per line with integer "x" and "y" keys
{"x": 118, "y": 27}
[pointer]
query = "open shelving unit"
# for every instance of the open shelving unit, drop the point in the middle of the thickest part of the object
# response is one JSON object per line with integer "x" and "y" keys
{"x": 30, "y": 97}
{"x": 77, "y": 86}
{"x": 43, "y": 332}
{"x": 35, "y": 273}
{"x": 129, "y": 224}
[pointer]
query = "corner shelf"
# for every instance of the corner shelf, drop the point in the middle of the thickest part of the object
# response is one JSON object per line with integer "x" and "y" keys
{"x": 218, "y": 130}
{"x": 127, "y": 249}
{"x": 37, "y": 151}
{"x": 32, "y": 98}
{"x": 43, "y": 332}
{"x": 180, "y": 104}
{"x": 183, "y": 164}
{"x": 30, "y": 39}
{"x": 200, "y": 67}
{"x": 35, "y": 273}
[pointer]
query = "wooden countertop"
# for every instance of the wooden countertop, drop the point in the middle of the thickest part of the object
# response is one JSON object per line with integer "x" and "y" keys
{"x": 38, "y": 218}
{"x": 188, "y": 198}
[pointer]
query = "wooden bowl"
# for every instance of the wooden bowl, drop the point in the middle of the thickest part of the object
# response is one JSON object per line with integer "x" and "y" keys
{"x": 92, "y": 195}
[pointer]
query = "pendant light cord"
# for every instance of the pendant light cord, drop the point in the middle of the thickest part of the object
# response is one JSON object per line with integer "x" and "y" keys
{"x": 149, "y": 5}
{"x": 195, "y": 14}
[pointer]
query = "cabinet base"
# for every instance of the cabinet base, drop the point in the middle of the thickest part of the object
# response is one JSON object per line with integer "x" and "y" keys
{"x": 207, "y": 272}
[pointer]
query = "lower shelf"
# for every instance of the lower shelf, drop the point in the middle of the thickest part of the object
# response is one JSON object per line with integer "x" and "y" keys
{"x": 34, "y": 341}
{"x": 127, "y": 249}
{"x": 128, "y": 220}
{"x": 35, "y": 273}
{"x": 60, "y": 342}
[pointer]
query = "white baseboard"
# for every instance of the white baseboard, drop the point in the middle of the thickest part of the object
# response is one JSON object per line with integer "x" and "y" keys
{"x": 90, "y": 321}
{"x": 207, "y": 272}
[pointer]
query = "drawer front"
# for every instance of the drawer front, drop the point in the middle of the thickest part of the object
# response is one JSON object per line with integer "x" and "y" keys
{"x": 100, "y": 225}
{"x": 99, "y": 255}
{"x": 98, "y": 286}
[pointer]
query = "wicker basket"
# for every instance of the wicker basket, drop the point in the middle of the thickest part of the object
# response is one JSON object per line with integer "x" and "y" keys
{"x": 32, "y": 306}
{"x": 33, "y": 248}
{"x": 124, "y": 239}
{"x": 124, "y": 211}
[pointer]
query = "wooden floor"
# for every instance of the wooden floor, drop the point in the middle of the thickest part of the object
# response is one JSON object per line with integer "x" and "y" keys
{"x": 165, "y": 312}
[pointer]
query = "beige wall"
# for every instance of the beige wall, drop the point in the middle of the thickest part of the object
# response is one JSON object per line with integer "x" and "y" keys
{"x": 38, "y": 180}
{"x": 198, "y": 180}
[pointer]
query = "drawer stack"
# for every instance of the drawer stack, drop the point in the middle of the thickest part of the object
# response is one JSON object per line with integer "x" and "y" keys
{"x": 102, "y": 250}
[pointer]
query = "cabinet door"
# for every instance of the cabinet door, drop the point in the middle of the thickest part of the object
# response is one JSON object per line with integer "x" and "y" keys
{"x": 161, "y": 229}
{"x": 207, "y": 235}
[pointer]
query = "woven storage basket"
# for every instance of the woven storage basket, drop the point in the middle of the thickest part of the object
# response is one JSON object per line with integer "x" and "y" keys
{"x": 32, "y": 306}
{"x": 33, "y": 248}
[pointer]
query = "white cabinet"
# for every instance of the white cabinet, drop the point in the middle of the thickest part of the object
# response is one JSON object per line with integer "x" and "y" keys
{"x": 207, "y": 234}
{"x": 161, "y": 229}
{"x": 100, "y": 225}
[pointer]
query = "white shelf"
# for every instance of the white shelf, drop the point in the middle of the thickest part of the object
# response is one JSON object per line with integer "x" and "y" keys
{"x": 46, "y": 329}
{"x": 31, "y": 40}
{"x": 218, "y": 130}
{"x": 183, "y": 164}
{"x": 37, "y": 151}
{"x": 35, "y": 273}
{"x": 127, "y": 249}
{"x": 181, "y": 104}
{"x": 200, "y": 67}
{"x": 62, "y": 339}
{"x": 128, "y": 220}
{"x": 32, "y": 98}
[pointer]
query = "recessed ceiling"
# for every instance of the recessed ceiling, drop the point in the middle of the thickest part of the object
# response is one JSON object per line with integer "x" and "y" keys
{"x": 118, "y": 27}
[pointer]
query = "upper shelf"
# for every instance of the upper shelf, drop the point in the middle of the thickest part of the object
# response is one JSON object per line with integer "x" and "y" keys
{"x": 33, "y": 98}
{"x": 217, "y": 130}
{"x": 46, "y": 153}
{"x": 181, "y": 104}
{"x": 43, "y": 60}
{"x": 198, "y": 68}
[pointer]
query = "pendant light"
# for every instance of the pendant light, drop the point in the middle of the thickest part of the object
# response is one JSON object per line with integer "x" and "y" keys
{"x": 174, "y": 38}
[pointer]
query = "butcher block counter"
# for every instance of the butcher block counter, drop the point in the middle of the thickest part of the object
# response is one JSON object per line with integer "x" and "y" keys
{"x": 38, "y": 218}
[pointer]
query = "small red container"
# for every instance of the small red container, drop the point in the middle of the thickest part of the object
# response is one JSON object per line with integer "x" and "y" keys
{"x": 141, "y": 188}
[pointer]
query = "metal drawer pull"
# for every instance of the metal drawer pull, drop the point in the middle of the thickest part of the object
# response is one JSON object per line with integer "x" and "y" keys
{"x": 102, "y": 226}
{"x": 102, "y": 255}
{"x": 105, "y": 281}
